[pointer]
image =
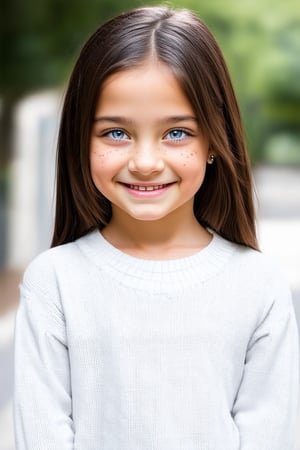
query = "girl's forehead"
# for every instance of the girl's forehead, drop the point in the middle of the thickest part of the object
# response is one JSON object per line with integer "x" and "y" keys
{"x": 150, "y": 67}
{"x": 147, "y": 84}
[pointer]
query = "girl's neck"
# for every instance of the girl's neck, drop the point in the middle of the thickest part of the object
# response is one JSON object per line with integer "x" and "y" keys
{"x": 168, "y": 238}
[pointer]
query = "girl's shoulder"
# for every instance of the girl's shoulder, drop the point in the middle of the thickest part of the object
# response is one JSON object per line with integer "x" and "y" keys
{"x": 259, "y": 273}
{"x": 48, "y": 267}
{"x": 48, "y": 259}
{"x": 258, "y": 263}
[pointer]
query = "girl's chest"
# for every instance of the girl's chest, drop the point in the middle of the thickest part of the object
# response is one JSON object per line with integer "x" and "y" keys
{"x": 191, "y": 325}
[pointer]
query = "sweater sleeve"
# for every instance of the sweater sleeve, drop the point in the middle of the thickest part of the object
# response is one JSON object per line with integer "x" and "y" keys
{"x": 42, "y": 394}
{"x": 265, "y": 410}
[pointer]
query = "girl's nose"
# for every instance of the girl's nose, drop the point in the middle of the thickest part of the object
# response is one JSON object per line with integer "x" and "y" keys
{"x": 146, "y": 160}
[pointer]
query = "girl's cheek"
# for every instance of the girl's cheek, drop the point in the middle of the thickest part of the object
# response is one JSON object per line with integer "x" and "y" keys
{"x": 188, "y": 158}
{"x": 108, "y": 152}
{"x": 98, "y": 154}
{"x": 97, "y": 158}
{"x": 102, "y": 155}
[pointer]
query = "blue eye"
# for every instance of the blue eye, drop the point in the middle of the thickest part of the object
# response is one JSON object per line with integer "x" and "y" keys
{"x": 176, "y": 135}
{"x": 117, "y": 135}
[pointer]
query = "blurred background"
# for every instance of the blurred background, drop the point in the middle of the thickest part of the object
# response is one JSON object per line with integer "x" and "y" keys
{"x": 39, "y": 42}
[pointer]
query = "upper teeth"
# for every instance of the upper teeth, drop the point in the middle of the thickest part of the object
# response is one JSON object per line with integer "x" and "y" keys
{"x": 146, "y": 188}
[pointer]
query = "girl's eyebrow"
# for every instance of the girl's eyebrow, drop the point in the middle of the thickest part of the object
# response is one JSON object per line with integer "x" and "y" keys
{"x": 117, "y": 119}
{"x": 125, "y": 120}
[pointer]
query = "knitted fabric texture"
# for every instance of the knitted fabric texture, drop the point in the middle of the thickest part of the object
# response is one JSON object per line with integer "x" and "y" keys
{"x": 114, "y": 352}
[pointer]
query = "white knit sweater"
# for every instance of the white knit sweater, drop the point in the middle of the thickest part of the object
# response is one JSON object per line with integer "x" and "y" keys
{"x": 114, "y": 352}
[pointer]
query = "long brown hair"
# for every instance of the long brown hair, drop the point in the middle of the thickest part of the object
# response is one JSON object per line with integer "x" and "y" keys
{"x": 183, "y": 42}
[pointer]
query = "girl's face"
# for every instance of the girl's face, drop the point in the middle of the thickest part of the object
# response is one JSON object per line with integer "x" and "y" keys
{"x": 147, "y": 153}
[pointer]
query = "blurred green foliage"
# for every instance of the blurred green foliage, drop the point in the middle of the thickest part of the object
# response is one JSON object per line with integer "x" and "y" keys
{"x": 260, "y": 40}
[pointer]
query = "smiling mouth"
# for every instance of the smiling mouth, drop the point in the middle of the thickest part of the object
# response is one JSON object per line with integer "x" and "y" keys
{"x": 143, "y": 188}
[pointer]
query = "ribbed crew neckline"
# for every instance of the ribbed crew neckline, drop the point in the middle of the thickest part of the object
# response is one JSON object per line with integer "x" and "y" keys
{"x": 153, "y": 275}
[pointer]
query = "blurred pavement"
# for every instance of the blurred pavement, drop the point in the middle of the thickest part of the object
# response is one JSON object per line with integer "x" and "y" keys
{"x": 278, "y": 190}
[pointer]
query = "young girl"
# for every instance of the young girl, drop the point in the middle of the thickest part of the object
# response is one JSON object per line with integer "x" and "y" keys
{"x": 154, "y": 323}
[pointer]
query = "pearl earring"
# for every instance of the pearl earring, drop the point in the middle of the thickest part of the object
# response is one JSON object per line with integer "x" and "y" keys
{"x": 211, "y": 159}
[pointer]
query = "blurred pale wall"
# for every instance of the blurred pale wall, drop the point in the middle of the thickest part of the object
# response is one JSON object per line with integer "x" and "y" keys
{"x": 30, "y": 214}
